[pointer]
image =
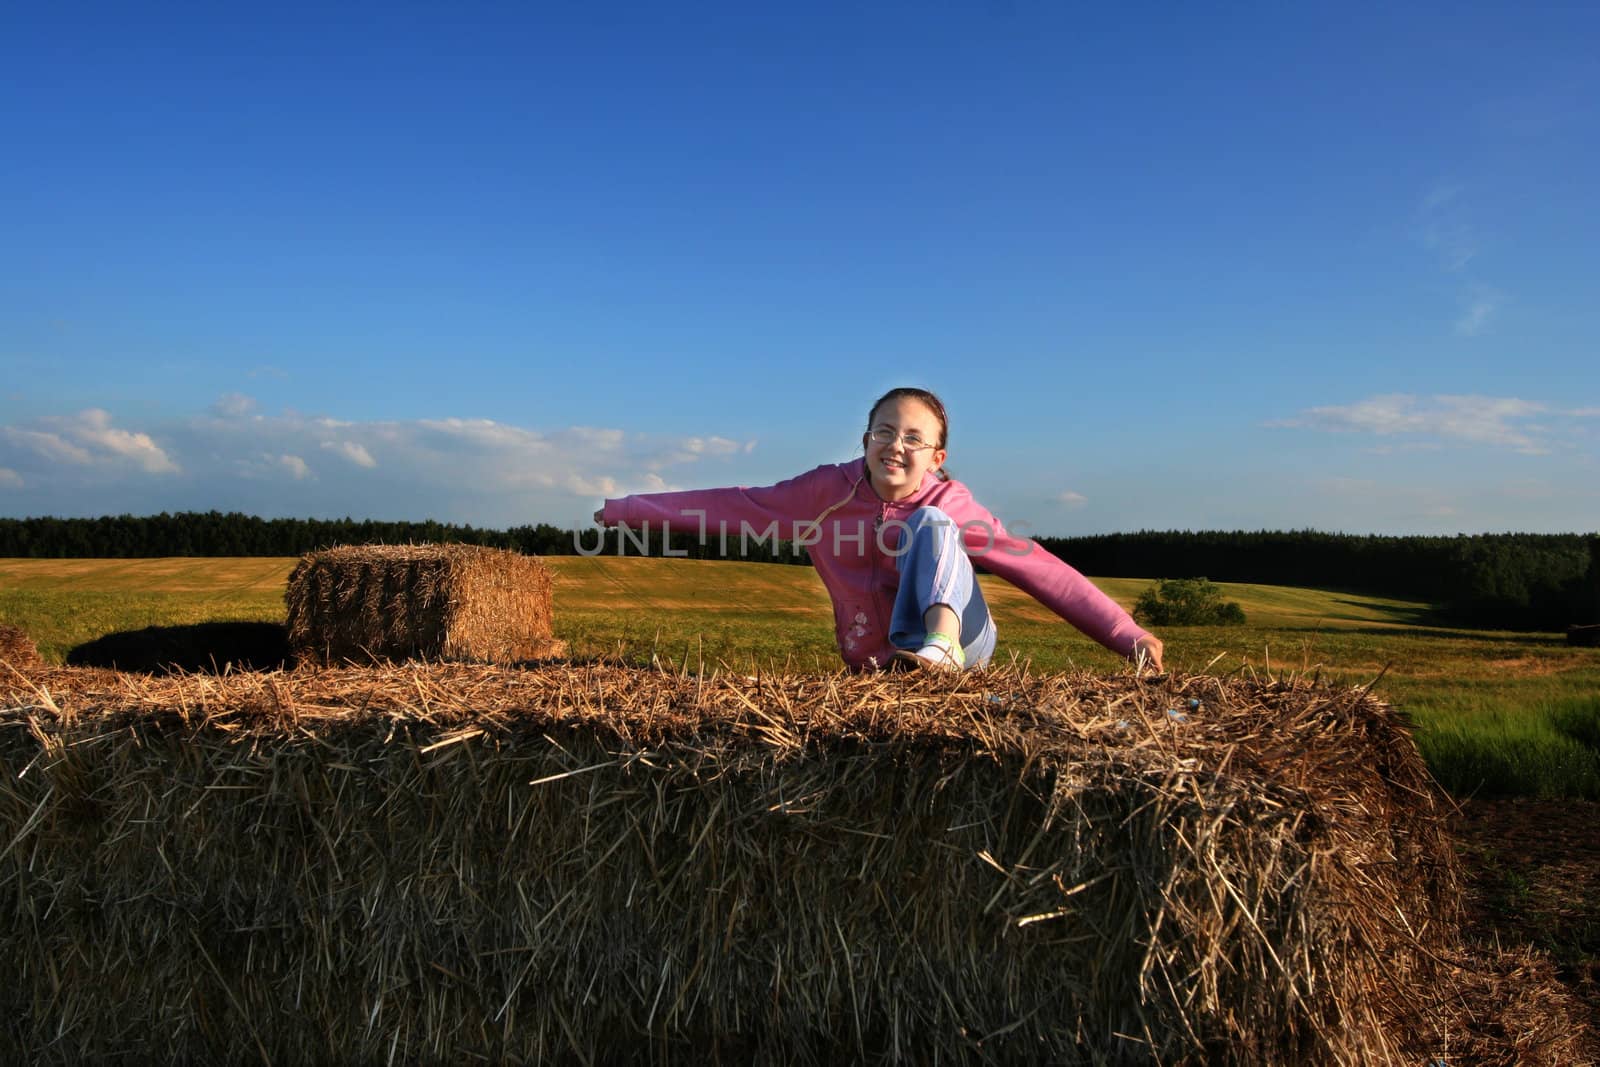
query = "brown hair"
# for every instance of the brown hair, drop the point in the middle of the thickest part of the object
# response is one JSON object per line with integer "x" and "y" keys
{"x": 934, "y": 405}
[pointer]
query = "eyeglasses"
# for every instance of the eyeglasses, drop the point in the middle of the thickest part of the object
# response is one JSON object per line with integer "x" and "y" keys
{"x": 913, "y": 441}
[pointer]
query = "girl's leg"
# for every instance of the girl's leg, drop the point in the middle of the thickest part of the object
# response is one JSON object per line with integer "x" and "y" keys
{"x": 934, "y": 570}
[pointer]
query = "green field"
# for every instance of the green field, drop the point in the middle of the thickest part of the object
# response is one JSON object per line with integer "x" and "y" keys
{"x": 1498, "y": 713}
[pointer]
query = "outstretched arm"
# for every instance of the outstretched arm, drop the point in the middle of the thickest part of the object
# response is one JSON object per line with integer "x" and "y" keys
{"x": 1052, "y": 582}
{"x": 786, "y": 506}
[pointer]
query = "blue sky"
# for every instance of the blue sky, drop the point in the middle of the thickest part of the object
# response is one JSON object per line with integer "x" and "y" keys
{"x": 1170, "y": 266}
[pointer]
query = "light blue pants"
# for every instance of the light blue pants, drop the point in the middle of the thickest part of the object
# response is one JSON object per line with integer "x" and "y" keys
{"x": 934, "y": 569}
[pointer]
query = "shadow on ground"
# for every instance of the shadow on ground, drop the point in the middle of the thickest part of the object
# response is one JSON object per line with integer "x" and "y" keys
{"x": 1421, "y": 615}
{"x": 208, "y": 646}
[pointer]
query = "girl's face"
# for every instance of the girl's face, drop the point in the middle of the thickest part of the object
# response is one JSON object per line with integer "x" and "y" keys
{"x": 897, "y": 467}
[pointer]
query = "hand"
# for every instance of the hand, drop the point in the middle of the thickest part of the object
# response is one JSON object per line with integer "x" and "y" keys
{"x": 1147, "y": 650}
{"x": 600, "y": 517}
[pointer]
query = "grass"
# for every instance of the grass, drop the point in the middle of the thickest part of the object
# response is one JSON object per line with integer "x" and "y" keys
{"x": 1497, "y": 712}
{"x": 62, "y": 604}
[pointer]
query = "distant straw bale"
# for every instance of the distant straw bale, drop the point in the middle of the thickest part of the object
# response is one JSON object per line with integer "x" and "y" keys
{"x": 454, "y": 863}
{"x": 365, "y": 603}
{"x": 17, "y": 648}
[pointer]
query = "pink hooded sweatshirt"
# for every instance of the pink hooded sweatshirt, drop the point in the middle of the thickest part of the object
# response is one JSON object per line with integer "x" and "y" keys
{"x": 853, "y": 536}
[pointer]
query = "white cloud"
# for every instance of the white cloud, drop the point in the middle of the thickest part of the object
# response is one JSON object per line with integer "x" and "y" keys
{"x": 233, "y": 405}
{"x": 269, "y": 464}
{"x": 296, "y": 467}
{"x": 1479, "y": 303}
{"x": 485, "y": 434}
{"x": 1071, "y": 499}
{"x": 94, "y": 427}
{"x": 711, "y": 446}
{"x": 89, "y": 439}
{"x": 10, "y": 479}
{"x": 602, "y": 486}
{"x": 49, "y": 445}
{"x": 582, "y": 460}
{"x": 1442, "y": 226}
{"x": 1442, "y": 229}
{"x": 269, "y": 467}
{"x": 1479, "y": 420}
{"x": 596, "y": 438}
{"x": 652, "y": 483}
{"x": 694, "y": 448}
{"x": 351, "y": 451}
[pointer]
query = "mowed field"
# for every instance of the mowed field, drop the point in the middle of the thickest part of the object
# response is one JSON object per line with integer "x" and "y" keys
{"x": 1498, "y": 712}
{"x": 1508, "y": 722}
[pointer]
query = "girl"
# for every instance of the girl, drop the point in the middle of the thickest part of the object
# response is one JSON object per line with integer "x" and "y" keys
{"x": 894, "y": 540}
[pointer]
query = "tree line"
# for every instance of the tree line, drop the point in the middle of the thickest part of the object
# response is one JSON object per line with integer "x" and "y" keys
{"x": 214, "y": 533}
{"x": 1511, "y": 581}
{"x": 1502, "y": 581}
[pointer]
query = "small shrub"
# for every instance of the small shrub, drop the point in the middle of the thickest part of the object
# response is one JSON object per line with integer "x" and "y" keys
{"x": 1186, "y": 602}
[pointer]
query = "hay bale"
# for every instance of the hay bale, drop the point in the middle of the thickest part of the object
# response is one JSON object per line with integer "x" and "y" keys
{"x": 18, "y": 649}
{"x": 362, "y": 603}
{"x": 442, "y": 862}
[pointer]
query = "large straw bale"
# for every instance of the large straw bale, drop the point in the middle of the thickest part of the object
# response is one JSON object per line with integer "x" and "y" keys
{"x": 451, "y": 863}
{"x": 360, "y": 603}
{"x": 17, "y": 648}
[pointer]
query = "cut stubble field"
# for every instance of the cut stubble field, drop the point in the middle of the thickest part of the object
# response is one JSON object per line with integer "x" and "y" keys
{"x": 1497, "y": 712}
{"x": 1508, "y": 722}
